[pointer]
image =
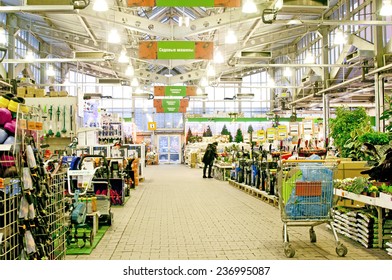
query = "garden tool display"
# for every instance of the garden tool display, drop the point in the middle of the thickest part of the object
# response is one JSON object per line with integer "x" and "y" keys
{"x": 58, "y": 134}
{"x": 70, "y": 118}
{"x": 50, "y": 132}
{"x": 44, "y": 117}
{"x": 64, "y": 130}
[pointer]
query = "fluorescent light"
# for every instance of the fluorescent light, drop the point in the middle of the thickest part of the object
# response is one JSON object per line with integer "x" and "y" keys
{"x": 249, "y": 7}
{"x": 218, "y": 57}
{"x": 123, "y": 57}
{"x": 129, "y": 71}
{"x": 114, "y": 37}
{"x": 287, "y": 72}
{"x": 231, "y": 37}
{"x": 386, "y": 9}
{"x": 50, "y": 71}
{"x": 29, "y": 56}
{"x": 309, "y": 58}
{"x": 210, "y": 71}
{"x": 340, "y": 37}
{"x": 100, "y": 6}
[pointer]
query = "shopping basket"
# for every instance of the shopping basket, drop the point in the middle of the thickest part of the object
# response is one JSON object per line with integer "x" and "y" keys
{"x": 306, "y": 198}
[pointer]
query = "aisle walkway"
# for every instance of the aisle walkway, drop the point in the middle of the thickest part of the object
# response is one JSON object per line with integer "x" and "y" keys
{"x": 176, "y": 214}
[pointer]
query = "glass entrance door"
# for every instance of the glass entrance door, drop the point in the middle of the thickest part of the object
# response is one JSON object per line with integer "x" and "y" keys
{"x": 169, "y": 148}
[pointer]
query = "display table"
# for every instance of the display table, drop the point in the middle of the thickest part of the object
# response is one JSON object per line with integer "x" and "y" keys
{"x": 380, "y": 203}
{"x": 95, "y": 217}
{"x": 222, "y": 172}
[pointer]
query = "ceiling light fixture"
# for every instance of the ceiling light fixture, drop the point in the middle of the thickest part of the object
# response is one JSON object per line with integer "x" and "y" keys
{"x": 287, "y": 72}
{"x": 386, "y": 9}
{"x": 309, "y": 58}
{"x": 29, "y": 56}
{"x": 203, "y": 82}
{"x": 249, "y": 7}
{"x": 279, "y": 5}
{"x": 3, "y": 36}
{"x": 135, "y": 83}
{"x": 50, "y": 71}
{"x": 218, "y": 57}
{"x": 114, "y": 37}
{"x": 340, "y": 37}
{"x": 130, "y": 71}
{"x": 210, "y": 71}
{"x": 184, "y": 20}
{"x": 231, "y": 37}
{"x": 199, "y": 91}
{"x": 100, "y": 6}
{"x": 123, "y": 57}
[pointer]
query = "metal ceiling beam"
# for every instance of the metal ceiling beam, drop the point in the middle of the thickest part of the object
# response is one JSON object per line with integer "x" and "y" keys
{"x": 295, "y": 65}
{"x": 131, "y": 22}
{"x": 37, "y": 8}
{"x": 319, "y": 22}
{"x": 52, "y": 60}
{"x": 210, "y": 23}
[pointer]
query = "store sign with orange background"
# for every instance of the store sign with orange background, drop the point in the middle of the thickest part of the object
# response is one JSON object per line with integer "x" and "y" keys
{"x": 184, "y": 3}
{"x": 175, "y": 91}
{"x": 176, "y": 50}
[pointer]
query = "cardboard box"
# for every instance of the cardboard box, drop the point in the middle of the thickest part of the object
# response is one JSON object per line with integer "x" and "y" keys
{"x": 62, "y": 93}
{"x": 30, "y": 91}
{"x": 40, "y": 92}
{"x": 21, "y": 91}
{"x": 351, "y": 169}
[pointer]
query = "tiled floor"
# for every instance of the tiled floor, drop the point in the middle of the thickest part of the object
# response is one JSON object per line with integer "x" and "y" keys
{"x": 176, "y": 214}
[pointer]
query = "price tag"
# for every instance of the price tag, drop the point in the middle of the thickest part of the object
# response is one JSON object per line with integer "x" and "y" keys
{"x": 271, "y": 133}
{"x": 31, "y": 125}
{"x": 22, "y": 124}
{"x": 38, "y": 126}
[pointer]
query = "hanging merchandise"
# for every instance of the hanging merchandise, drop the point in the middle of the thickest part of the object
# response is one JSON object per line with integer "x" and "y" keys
{"x": 50, "y": 132}
{"x": 64, "y": 130}
{"x": 58, "y": 134}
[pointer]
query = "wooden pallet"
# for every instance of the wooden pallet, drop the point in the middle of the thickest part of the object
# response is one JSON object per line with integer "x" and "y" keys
{"x": 262, "y": 195}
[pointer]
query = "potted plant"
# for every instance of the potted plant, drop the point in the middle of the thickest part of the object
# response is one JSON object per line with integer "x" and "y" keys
{"x": 373, "y": 191}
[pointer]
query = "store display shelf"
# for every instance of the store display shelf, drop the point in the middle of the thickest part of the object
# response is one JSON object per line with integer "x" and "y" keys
{"x": 380, "y": 203}
{"x": 374, "y": 201}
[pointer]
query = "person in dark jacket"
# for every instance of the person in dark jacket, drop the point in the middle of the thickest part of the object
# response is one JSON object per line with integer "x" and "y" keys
{"x": 209, "y": 157}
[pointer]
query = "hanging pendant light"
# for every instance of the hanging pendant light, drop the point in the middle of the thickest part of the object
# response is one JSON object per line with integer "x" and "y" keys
{"x": 123, "y": 57}
{"x": 129, "y": 71}
{"x": 100, "y": 6}
{"x": 114, "y": 37}
{"x": 218, "y": 57}
{"x": 249, "y": 7}
{"x": 50, "y": 71}
{"x": 231, "y": 37}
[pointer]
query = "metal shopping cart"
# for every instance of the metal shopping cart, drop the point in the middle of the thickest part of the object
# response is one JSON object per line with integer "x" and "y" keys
{"x": 306, "y": 198}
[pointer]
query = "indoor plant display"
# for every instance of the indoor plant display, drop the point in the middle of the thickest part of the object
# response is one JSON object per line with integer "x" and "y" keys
{"x": 345, "y": 122}
{"x": 373, "y": 191}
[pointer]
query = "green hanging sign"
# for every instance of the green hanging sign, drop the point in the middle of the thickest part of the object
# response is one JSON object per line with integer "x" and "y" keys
{"x": 170, "y": 106}
{"x": 175, "y": 91}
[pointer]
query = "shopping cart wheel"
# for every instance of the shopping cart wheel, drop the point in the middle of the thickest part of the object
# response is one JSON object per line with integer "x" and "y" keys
{"x": 312, "y": 235}
{"x": 341, "y": 250}
{"x": 288, "y": 250}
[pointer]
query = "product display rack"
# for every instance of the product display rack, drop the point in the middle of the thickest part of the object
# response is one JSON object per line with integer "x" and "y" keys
{"x": 41, "y": 218}
{"x": 111, "y": 132}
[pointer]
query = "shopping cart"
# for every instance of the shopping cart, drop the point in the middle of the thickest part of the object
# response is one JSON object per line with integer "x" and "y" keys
{"x": 306, "y": 198}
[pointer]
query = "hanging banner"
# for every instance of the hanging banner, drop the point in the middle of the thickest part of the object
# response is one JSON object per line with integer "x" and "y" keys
{"x": 175, "y": 91}
{"x": 271, "y": 133}
{"x": 176, "y": 50}
{"x": 184, "y": 3}
{"x": 282, "y": 132}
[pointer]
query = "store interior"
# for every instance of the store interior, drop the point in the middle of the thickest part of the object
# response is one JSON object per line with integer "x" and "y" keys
{"x": 95, "y": 92}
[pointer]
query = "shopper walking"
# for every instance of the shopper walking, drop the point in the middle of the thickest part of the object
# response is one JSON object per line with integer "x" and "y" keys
{"x": 208, "y": 158}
